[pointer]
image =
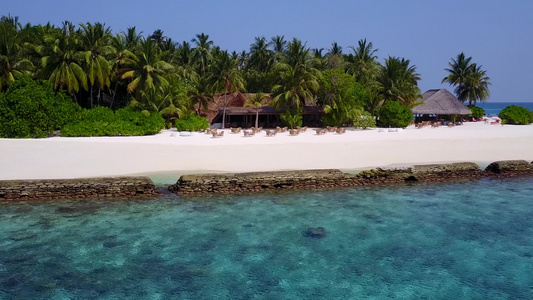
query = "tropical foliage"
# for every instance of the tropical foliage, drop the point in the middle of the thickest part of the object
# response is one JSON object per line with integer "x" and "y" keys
{"x": 98, "y": 67}
{"x": 477, "y": 112}
{"x": 102, "y": 121}
{"x": 470, "y": 81}
{"x": 395, "y": 114}
{"x": 31, "y": 109}
{"x": 514, "y": 114}
{"x": 192, "y": 123}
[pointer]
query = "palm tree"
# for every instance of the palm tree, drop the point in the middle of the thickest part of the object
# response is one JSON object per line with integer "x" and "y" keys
{"x": 183, "y": 57}
{"x": 260, "y": 56}
{"x": 96, "y": 39}
{"x": 297, "y": 53}
{"x": 201, "y": 94}
{"x": 257, "y": 101}
{"x": 133, "y": 38}
{"x": 158, "y": 37}
{"x": 201, "y": 52}
{"x": 397, "y": 81}
{"x": 470, "y": 81}
{"x": 62, "y": 60}
{"x": 12, "y": 64}
{"x": 120, "y": 58}
{"x": 226, "y": 77}
{"x": 297, "y": 84}
{"x": 146, "y": 69}
{"x": 278, "y": 43}
{"x": 334, "y": 58}
{"x": 363, "y": 63}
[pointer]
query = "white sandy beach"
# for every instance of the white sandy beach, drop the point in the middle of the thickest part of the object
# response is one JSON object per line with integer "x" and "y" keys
{"x": 57, "y": 157}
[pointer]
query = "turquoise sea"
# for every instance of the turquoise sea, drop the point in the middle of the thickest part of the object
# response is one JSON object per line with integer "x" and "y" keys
{"x": 494, "y": 108}
{"x": 468, "y": 240}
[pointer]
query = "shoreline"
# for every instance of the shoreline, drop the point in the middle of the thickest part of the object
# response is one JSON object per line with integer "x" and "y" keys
{"x": 64, "y": 158}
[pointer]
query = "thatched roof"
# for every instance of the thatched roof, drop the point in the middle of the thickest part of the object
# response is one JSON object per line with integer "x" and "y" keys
{"x": 440, "y": 102}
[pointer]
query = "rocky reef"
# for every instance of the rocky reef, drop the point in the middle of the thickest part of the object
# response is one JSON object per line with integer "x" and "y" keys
{"x": 244, "y": 183}
{"x": 109, "y": 187}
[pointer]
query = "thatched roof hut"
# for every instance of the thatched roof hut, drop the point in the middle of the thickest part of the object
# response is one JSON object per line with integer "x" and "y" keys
{"x": 440, "y": 102}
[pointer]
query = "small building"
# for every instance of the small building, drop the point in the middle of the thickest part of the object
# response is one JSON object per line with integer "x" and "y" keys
{"x": 437, "y": 103}
{"x": 238, "y": 115}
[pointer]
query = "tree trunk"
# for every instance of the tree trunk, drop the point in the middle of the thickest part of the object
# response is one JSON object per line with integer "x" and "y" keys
{"x": 98, "y": 97}
{"x": 256, "y": 117}
{"x": 114, "y": 95}
{"x": 91, "y": 92}
{"x": 224, "y": 112}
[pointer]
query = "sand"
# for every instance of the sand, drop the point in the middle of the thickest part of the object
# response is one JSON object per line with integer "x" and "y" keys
{"x": 57, "y": 157}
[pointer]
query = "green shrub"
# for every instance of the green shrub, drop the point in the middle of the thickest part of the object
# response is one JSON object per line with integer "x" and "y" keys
{"x": 477, "y": 112}
{"x": 31, "y": 109}
{"x": 394, "y": 114}
{"x": 192, "y": 123}
{"x": 292, "y": 120}
{"x": 518, "y": 115}
{"x": 364, "y": 120}
{"x": 102, "y": 121}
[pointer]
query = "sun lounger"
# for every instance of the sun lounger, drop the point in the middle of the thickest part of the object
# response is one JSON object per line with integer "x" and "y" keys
{"x": 270, "y": 133}
{"x": 294, "y": 132}
{"x": 341, "y": 130}
{"x": 248, "y": 133}
{"x": 235, "y": 130}
{"x": 218, "y": 134}
{"x": 320, "y": 131}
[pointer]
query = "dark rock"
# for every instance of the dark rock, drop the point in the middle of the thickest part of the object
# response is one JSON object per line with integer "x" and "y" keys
{"x": 509, "y": 166}
{"x": 315, "y": 232}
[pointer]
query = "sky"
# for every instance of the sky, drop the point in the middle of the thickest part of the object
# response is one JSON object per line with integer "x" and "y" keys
{"x": 497, "y": 34}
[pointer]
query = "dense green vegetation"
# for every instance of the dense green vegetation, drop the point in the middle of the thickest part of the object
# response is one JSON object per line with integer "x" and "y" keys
{"x": 102, "y": 121}
{"x": 395, "y": 114}
{"x": 99, "y": 68}
{"x": 477, "y": 112}
{"x": 31, "y": 109}
{"x": 192, "y": 123}
{"x": 518, "y": 115}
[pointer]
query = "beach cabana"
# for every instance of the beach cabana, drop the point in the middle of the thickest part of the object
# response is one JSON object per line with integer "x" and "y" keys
{"x": 440, "y": 102}
{"x": 238, "y": 115}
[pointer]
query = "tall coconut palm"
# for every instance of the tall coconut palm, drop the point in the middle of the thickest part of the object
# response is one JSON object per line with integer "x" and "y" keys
{"x": 470, "y": 81}
{"x": 226, "y": 78}
{"x": 132, "y": 37}
{"x": 119, "y": 59}
{"x": 183, "y": 58}
{"x": 201, "y": 94}
{"x": 397, "y": 81}
{"x": 362, "y": 64}
{"x": 334, "y": 59}
{"x": 260, "y": 55}
{"x": 146, "y": 69}
{"x": 278, "y": 43}
{"x": 158, "y": 37}
{"x": 96, "y": 39}
{"x": 12, "y": 64}
{"x": 297, "y": 85}
{"x": 257, "y": 100}
{"x": 62, "y": 60}
{"x": 202, "y": 51}
{"x": 297, "y": 53}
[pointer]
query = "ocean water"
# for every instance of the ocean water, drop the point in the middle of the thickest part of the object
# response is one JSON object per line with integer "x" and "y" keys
{"x": 469, "y": 240}
{"x": 494, "y": 108}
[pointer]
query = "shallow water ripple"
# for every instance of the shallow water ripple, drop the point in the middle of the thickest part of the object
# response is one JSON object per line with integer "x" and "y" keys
{"x": 448, "y": 241}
